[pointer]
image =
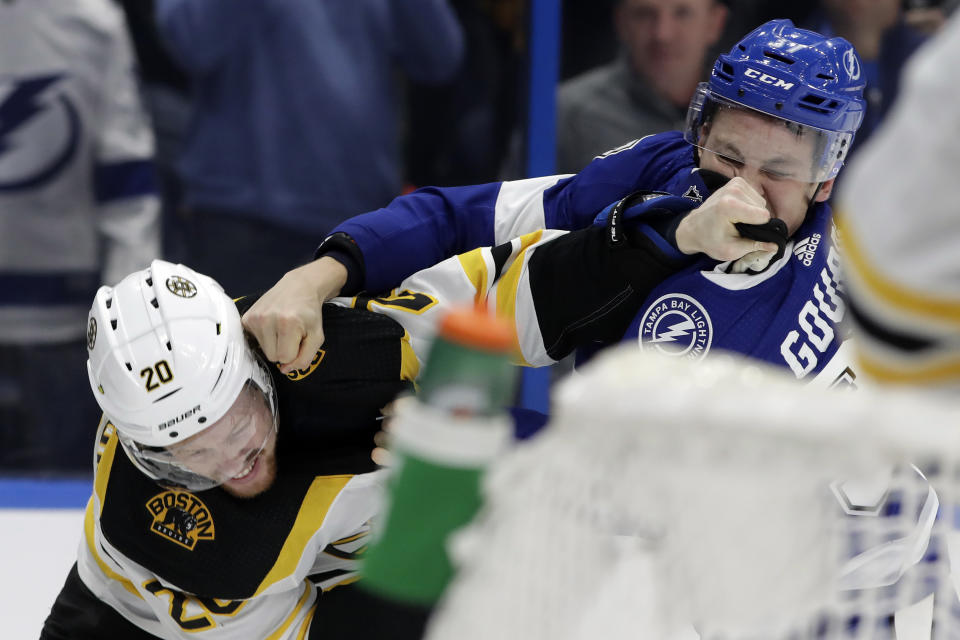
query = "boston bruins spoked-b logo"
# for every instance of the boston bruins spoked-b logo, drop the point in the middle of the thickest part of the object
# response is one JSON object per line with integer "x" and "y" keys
{"x": 92, "y": 333}
{"x": 181, "y": 287}
{"x": 181, "y": 517}
{"x": 676, "y": 325}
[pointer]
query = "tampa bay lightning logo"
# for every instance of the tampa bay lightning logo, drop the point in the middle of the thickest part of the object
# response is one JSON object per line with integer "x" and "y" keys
{"x": 852, "y": 64}
{"x": 39, "y": 131}
{"x": 676, "y": 325}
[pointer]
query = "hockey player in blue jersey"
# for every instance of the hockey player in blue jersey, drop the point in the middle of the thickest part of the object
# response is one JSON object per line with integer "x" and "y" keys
{"x": 775, "y": 120}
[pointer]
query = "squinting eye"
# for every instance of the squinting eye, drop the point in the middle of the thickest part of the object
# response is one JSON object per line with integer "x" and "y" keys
{"x": 777, "y": 175}
{"x": 733, "y": 162}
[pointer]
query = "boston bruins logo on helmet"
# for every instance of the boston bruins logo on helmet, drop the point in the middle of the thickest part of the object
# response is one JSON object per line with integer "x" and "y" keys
{"x": 92, "y": 333}
{"x": 182, "y": 287}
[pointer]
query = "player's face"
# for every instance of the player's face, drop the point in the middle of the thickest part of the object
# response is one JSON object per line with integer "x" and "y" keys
{"x": 772, "y": 158}
{"x": 667, "y": 39}
{"x": 238, "y": 450}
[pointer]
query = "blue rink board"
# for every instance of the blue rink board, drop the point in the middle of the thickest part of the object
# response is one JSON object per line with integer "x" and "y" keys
{"x": 23, "y": 493}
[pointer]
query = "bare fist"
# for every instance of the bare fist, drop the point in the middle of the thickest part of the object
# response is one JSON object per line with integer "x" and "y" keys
{"x": 710, "y": 228}
{"x": 287, "y": 320}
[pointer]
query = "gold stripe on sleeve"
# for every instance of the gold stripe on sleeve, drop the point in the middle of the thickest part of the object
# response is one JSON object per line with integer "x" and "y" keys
{"x": 903, "y": 372}
{"x": 895, "y": 295}
{"x": 475, "y": 268}
{"x": 107, "y": 439}
{"x": 507, "y": 290}
{"x": 321, "y": 494}
{"x": 88, "y": 534}
{"x": 304, "y": 597}
{"x": 305, "y": 626}
{"x": 409, "y": 365}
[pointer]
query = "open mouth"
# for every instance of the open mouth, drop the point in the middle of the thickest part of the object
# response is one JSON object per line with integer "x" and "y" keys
{"x": 248, "y": 469}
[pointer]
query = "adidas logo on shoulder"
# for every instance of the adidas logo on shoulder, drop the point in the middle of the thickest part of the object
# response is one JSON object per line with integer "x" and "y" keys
{"x": 806, "y": 249}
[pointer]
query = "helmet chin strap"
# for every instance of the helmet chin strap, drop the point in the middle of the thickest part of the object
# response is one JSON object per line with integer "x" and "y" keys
{"x": 812, "y": 202}
{"x": 813, "y": 196}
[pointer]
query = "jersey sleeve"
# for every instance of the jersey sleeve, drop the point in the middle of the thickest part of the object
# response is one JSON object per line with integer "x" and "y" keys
{"x": 561, "y": 290}
{"x": 432, "y": 224}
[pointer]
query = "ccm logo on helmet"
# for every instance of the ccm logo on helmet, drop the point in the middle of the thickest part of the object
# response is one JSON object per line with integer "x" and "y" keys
{"x": 766, "y": 78}
{"x": 179, "y": 418}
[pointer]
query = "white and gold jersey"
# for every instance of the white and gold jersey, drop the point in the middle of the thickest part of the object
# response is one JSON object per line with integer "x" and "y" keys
{"x": 899, "y": 221}
{"x": 496, "y": 277}
{"x": 205, "y": 565}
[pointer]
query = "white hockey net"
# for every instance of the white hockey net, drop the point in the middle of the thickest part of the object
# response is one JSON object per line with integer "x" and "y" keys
{"x": 668, "y": 500}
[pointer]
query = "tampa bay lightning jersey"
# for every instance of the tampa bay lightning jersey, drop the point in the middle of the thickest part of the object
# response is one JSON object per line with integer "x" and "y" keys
{"x": 78, "y": 201}
{"x": 788, "y": 315}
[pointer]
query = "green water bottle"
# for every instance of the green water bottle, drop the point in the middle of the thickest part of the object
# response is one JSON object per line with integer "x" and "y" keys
{"x": 468, "y": 370}
{"x": 441, "y": 443}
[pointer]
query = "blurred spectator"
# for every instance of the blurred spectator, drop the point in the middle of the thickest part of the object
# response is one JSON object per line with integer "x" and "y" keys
{"x": 665, "y": 52}
{"x": 876, "y": 28}
{"x": 78, "y": 207}
{"x": 295, "y": 123}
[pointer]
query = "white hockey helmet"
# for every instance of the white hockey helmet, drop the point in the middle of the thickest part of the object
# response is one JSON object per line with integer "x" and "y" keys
{"x": 167, "y": 360}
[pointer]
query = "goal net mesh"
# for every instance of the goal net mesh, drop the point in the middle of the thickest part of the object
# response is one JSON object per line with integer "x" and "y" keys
{"x": 720, "y": 499}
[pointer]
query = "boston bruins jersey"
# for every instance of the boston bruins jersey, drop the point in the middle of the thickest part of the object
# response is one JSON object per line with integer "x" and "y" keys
{"x": 205, "y": 565}
{"x": 901, "y": 233}
{"x": 178, "y": 564}
{"x": 497, "y": 277}
{"x": 528, "y": 281}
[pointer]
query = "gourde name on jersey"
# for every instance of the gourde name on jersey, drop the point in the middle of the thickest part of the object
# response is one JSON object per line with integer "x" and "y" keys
{"x": 804, "y": 347}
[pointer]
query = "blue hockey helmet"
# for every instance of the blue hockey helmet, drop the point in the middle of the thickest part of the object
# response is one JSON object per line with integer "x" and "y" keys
{"x": 794, "y": 75}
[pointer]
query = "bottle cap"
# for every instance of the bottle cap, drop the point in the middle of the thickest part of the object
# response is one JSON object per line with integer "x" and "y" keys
{"x": 475, "y": 328}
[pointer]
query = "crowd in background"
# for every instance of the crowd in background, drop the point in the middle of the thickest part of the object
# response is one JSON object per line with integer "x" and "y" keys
{"x": 232, "y": 140}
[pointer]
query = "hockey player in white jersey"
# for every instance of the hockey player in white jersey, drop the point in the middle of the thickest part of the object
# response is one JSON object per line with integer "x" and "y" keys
{"x": 78, "y": 207}
{"x": 209, "y": 518}
{"x": 901, "y": 232}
